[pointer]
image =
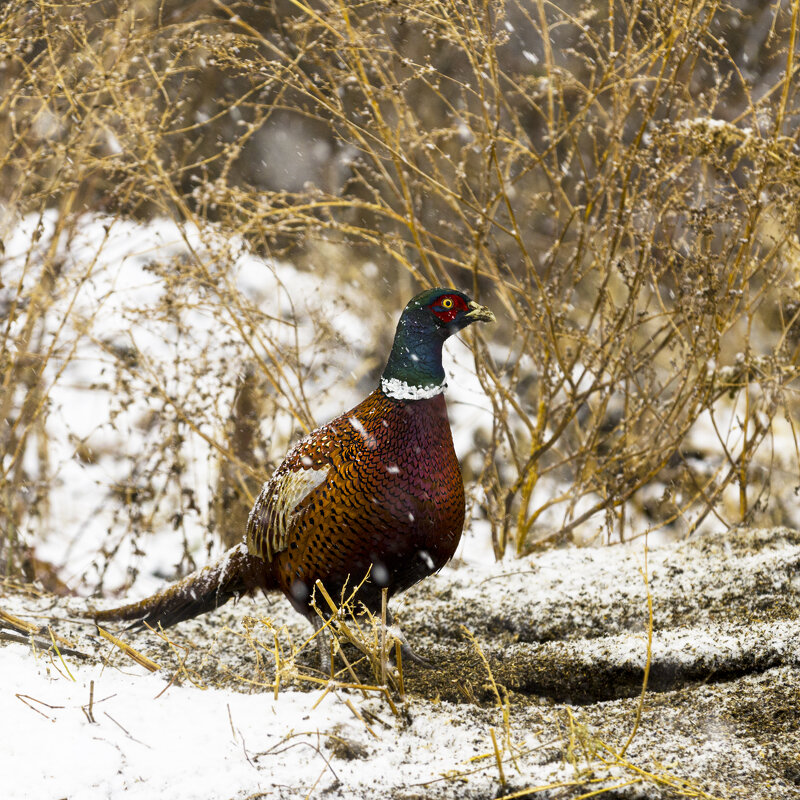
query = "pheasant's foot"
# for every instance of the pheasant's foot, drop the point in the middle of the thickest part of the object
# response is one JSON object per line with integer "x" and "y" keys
{"x": 406, "y": 651}
{"x": 323, "y": 638}
{"x": 408, "y": 654}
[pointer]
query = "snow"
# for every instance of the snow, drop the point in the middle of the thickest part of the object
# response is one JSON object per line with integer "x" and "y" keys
{"x": 112, "y": 299}
{"x": 168, "y": 733}
{"x": 152, "y": 739}
{"x": 153, "y": 735}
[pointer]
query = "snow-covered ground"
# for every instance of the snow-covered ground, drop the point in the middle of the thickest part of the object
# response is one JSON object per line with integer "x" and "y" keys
{"x": 148, "y": 321}
{"x": 127, "y": 301}
{"x": 563, "y": 635}
{"x": 148, "y": 741}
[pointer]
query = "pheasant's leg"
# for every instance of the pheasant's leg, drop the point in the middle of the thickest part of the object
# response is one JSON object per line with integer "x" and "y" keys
{"x": 405, "y": 647}
{"x": 323, "y": 644}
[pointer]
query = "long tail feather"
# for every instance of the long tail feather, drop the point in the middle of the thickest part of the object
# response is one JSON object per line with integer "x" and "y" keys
{"x": 234, "y": 574}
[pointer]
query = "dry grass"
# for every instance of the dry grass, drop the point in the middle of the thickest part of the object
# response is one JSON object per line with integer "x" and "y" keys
{"x": 619, "y": 181}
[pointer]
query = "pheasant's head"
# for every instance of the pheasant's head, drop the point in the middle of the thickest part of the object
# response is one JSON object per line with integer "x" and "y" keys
{"x": 414, "y": 370}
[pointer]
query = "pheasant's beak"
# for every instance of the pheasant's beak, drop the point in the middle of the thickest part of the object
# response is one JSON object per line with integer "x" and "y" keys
{"x": 479, "y": 313}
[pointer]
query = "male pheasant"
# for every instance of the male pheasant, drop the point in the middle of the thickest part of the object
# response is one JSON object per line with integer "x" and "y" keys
{"x": 374, "y": 499}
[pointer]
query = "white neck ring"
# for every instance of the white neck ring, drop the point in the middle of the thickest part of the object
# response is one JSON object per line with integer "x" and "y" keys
{"x": 400, "y": 390}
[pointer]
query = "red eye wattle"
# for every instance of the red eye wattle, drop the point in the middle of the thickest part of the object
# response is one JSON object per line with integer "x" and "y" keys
{"x": 448, "y": 307}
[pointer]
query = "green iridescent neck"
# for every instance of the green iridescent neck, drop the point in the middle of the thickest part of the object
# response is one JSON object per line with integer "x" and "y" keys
{"x": 414, "y": 369}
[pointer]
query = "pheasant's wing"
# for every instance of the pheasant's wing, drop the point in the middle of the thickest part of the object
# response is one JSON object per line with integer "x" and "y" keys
{"x": 304, "y": 470}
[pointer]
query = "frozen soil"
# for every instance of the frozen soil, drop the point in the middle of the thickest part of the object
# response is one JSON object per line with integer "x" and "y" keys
{"x": 547, "y": 652}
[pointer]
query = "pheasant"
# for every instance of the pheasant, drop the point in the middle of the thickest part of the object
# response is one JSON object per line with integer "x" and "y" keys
{"x": 372, "y": 500}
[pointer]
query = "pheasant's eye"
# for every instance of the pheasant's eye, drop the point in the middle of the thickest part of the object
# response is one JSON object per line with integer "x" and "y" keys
{"x": 447, "y": 302}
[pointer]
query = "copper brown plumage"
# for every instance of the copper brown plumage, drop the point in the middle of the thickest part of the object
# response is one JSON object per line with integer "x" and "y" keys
{"x": 384, "y": 494}
{"x": 374, "y": 499}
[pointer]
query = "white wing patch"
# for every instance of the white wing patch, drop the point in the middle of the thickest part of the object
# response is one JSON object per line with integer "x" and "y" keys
{"x": 285, "y": 494}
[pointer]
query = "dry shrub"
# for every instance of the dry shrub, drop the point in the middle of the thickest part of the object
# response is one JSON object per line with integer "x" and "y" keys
{"x": 619, "y": 181}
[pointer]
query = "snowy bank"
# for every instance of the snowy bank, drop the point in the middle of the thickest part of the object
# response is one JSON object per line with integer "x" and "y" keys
{"x": 545, "y": 656}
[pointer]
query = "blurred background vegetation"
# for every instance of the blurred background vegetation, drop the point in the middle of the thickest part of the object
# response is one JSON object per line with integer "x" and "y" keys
{"x": 620, "y": 181}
